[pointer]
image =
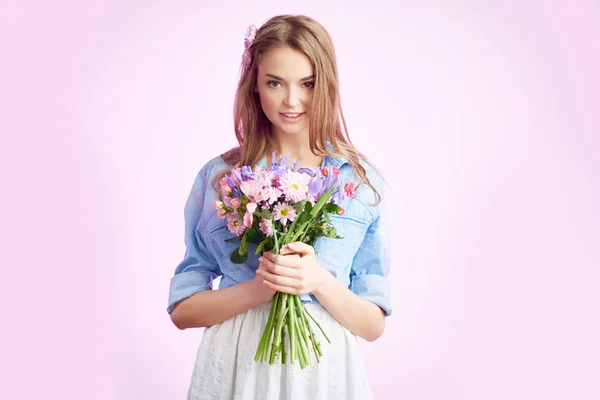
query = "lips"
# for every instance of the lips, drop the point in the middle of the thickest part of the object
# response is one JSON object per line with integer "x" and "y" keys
{"x": 291, "y": 117}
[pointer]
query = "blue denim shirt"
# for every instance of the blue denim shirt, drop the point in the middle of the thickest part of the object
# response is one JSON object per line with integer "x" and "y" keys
{"x": 360, "y": 260}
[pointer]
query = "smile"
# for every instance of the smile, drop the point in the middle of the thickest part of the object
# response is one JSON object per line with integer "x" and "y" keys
{"x": 291, "y": 115}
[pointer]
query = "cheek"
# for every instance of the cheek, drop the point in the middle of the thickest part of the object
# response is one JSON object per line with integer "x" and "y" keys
{"x": 308, "y": 100}
{"x": 269, "y": 103}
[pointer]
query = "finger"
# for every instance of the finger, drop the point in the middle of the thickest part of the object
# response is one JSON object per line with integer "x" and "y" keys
{"x": 302, "y": 248}
{"x": 267, "y": 253}
{"x": 282, "y": 289}
{"x": 285, "y": 250}
{"x": 279, "y": 280}
{"x": 278, "y": 269}
{"x": 290, "y": 261}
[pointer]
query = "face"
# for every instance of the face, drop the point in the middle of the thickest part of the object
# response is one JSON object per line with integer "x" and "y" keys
{"x": 285, "y": 83}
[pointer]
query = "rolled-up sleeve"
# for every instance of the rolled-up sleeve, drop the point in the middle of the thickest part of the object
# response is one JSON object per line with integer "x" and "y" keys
{"x": 198, "y": 269}
{"x": 369, "y": 276}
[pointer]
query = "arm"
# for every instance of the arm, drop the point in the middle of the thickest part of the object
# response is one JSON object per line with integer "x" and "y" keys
{"x": 211, "y": 307}
{"x": 359, "y": 316}
{"x": 192, "y": 302}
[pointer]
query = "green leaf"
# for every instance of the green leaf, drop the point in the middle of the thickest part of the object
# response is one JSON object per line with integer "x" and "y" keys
{"x": 330, "y": 231}
{"x": 322, "y": 201}
{"x": 266, "y": 214}
{"x": 245, "y": 245}
{"x": 237, "y": 257}
{"x": 254, "y": 236}
{"x": 299, "y": 206}
{"x": 261, "y": 246}
{"x": 332, "y": 208}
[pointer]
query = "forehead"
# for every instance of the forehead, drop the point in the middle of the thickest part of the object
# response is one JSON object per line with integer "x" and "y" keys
{"x": 285, "y": 62}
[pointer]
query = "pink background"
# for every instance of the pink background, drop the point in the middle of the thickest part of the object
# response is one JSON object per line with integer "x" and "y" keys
{"x": 485, "y": 118}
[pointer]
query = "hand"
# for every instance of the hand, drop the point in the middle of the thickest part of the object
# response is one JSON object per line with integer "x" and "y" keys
{"x": 263, "y": 293}
{"x": 296, "y": 271}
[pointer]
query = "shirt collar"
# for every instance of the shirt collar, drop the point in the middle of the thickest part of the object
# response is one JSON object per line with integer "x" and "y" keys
{"x": 327, "y": 160}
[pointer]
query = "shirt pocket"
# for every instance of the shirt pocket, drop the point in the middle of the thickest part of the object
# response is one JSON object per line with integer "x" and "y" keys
{"x": 337, "y": 254}
{"x": 216, "y": 235}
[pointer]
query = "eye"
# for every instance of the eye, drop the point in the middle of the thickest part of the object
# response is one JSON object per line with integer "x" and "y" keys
{"x": 309, "y": 85}
{"x": 273, "y": 84}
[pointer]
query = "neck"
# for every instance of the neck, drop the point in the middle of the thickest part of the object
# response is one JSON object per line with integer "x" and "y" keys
{"x": 298, "y": 147}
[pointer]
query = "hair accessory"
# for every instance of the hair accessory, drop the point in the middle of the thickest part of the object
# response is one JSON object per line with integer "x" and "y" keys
{"x": 250, "y": 35}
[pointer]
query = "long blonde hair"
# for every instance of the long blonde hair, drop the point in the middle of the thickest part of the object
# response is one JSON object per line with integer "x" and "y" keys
{"x": 253, "y": 128}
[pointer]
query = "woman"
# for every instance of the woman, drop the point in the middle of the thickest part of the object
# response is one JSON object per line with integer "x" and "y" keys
{"x": 287, "y": 102}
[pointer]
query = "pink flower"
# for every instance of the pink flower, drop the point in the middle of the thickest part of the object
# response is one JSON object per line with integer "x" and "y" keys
{"x": 225, "y": 188}
{"x": 350, "y": 189}
{"x": 251, "y": 207}
{"x": 248, "y": 220}
{"x": 253, "y": 189}
{"x": 248, "y": 217}
{"x": 266, "y": 227}
{"x": 272, "y": 194}
{"x": 235, "y": 203}
{"x": 335, "y": 170}
{"x": 342, "y": 211}
{"x": 265, "y": 177}
{"x": 220, "y": 207}
{"x": 284, "y": 212}
{"x": 294, "y": 185}
{"x": 235, "y": 224}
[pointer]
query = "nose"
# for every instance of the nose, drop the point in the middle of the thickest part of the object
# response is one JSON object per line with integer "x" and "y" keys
{"x": 292, "y": 98}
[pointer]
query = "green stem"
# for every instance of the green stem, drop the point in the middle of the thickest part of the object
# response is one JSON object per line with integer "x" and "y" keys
{"x": 269, "y": 343}
{"x": 276, "y": 249}
{"x": 316, "y": 346}
{"x": 311, "y": 317}
{"x": 283, "y": 352}
{"x": 303, "y": 331}
{"x": 293, "y": 337}
{"x": 266, "y": 336}
{"x": 300, "y": 330}
{"x": 283, "y": 310}
{"x": 300, "y": 231}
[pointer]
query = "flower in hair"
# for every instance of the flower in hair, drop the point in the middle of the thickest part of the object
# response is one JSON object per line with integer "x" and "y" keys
{"x": 250, "y": 35}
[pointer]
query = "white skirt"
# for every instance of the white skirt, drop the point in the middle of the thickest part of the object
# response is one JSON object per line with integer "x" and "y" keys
{"x": 225, "y": 368}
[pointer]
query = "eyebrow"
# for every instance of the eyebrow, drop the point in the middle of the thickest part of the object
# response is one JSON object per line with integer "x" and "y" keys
{"x": 281, "y": 79}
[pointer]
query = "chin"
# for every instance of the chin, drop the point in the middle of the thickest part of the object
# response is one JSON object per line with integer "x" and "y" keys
{"x": 287, "y": 130}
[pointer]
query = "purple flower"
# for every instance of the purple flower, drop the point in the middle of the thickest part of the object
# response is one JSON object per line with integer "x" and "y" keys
{"x": 315, "y": 186}
{"x": 280, "y": 166}
{"x": 237, "y": 175}
{"x": 230, "y": 182}
{"x": 247, "y": 173}
{"x": 338, "y": 196}
{"x": 330, "y": 181}
{"x": 307, "y": 171}
{"x": 235, "y": 192}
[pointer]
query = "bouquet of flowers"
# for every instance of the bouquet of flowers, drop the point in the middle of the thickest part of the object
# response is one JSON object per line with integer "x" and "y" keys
{"x": 270, "y": 208}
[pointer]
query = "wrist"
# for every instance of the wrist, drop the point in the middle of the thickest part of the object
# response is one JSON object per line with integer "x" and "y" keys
{"x": 324, "y": 282}
{"x": 258, "y": 293}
